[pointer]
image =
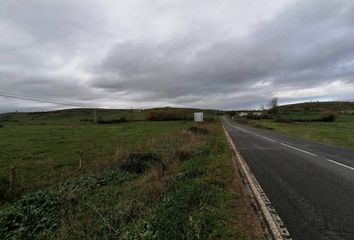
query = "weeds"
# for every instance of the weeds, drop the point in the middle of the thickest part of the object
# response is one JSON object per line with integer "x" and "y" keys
{"x": 198, "y": 130}
{"x": 140, "y": 162}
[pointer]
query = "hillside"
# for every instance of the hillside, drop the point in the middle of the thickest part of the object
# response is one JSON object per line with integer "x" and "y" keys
{"x": 318, "y": 106}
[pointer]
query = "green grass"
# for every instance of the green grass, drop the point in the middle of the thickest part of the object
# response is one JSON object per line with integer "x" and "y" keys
{"x": 305, "y": 115}
{"x": 42, "y": 152}
{"x": 191, "y": 198}
{"x": 340, "y": 132}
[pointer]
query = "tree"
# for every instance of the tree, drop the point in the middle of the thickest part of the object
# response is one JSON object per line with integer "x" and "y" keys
{"x": 273, "y": 106}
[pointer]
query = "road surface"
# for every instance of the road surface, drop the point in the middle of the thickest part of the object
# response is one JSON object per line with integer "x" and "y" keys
{"x": 311, "y": 185}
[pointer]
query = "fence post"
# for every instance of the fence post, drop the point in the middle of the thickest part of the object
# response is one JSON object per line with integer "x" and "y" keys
{"x": 12, "y": 176}
{"x": 80, "y": 161}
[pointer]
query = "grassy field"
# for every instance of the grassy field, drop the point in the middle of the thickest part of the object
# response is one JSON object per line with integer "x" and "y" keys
{"x": 340, "y": 132}
{"x": 45, "y": 147}
{"x": 43, "y": 153}
{"x": 186, "y": 191}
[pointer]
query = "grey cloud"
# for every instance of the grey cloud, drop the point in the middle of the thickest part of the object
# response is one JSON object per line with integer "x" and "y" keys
{"x": 145, "y": 54}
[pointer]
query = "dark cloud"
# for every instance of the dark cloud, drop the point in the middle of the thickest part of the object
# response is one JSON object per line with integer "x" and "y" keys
{"x": 143, "y": 54}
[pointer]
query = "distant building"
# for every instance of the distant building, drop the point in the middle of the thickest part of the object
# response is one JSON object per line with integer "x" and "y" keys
{"x": 257, "y": 113}
{"x": 242, "y": 114}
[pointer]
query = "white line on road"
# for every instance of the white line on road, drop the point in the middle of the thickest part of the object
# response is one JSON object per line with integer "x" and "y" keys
{"x": 269, "y": 139}
{"x": 298, "y": 149}
{"x": 340, "y": 164}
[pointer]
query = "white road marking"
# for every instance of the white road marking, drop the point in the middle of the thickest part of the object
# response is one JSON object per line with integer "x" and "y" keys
{"x": 298, "y": 149}
{"x": 269, "y": 139}
{"x": 340, "y": 164}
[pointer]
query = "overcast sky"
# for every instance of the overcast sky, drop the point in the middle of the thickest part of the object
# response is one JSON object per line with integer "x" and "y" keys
{"x": 228, "y": 54}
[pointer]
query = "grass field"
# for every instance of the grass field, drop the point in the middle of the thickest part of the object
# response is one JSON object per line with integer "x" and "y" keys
{"x": 45, "y": 147}
{"x": 189, "y": 193}
{"x": 42, "y": 153}
{"x": 340, "y": 132}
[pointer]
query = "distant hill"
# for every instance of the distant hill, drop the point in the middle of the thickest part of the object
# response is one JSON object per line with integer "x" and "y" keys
{"x": 318, "y": 106}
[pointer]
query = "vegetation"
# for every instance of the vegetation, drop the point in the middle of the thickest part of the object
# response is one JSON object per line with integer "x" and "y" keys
{"x": 48, "y": 148}
{"x": 176, "y": 114}
{"x": 178, "y": 185}
{"x": 112, "y": 121}
{"x": 330, "y": 123}
{"x": 198, "y": 130}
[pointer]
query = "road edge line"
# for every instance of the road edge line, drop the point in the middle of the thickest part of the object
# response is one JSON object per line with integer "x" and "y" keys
{"x": 275, "y": 226}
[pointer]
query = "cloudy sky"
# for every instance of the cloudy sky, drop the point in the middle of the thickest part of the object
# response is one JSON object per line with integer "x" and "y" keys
{"x": 228, "y": 54}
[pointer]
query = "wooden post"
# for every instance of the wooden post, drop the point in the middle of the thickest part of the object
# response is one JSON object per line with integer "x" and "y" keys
{"x": 80, "y": 161}
{"x": 12, "y": 176}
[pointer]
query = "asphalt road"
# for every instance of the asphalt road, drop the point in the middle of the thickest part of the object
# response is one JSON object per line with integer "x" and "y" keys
{"x": 311, "y": 185}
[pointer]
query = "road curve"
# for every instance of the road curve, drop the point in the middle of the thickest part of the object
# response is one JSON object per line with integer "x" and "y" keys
{"x": 311, "y": 185}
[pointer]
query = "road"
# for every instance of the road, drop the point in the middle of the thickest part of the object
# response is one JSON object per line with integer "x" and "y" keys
{"x": 311, "y": 185}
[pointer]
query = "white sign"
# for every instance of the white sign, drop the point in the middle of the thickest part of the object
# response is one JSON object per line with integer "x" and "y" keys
{"x": 198, "y": 117}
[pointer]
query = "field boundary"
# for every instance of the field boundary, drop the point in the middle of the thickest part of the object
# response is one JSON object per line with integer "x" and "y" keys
{"x": 274, "y": 227}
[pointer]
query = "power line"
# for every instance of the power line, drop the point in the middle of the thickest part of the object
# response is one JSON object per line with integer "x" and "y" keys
{"x": 9, "y": 95}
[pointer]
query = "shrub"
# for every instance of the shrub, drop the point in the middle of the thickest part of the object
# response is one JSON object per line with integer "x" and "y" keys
{"x": 112, "y": 121}
{"x": 140, "y": 162}
{"x": 5, "y": 190}
{"x": 198, "y": 130}
{"x": 328, "y": 116}
{"x": 169, "y": 115}
{"x": 1, "y": 126}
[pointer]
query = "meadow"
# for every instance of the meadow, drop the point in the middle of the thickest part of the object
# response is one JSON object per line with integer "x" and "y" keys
{"x": 168, "y": 180}
{"x": 45, "y": 148}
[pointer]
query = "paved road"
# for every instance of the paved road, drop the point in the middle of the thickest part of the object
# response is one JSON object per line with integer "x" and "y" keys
{"x": 311, "y": 185}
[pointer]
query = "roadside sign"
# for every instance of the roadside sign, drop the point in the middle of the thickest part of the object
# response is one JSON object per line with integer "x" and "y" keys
{"x": 198, "y": 117}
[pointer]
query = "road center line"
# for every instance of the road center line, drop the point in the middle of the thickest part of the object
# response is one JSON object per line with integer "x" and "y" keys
{"x": 269, "y": 139}
{"x": 340, "y": 164}
{"x": 298, "y": 149}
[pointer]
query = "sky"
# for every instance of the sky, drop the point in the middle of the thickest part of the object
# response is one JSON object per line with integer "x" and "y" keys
{"x": 230, "y": 54}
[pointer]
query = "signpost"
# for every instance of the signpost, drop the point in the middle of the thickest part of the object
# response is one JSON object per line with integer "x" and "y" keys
{"x": 198, "y": 117}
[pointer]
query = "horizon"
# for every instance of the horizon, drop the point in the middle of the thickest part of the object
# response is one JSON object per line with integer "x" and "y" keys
{"x": 162, "y": 107}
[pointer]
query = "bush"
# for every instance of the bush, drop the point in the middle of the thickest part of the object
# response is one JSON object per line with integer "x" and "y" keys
{"x": 198, "y": 130}
{"x": 5, "y": 190}
{"x": 328, "y": 116}
{"x": 140, "y": 162}
{"x": 1, "y": 126}
{"x": 112, "y": 121}
{"x": 169, "y": 115}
